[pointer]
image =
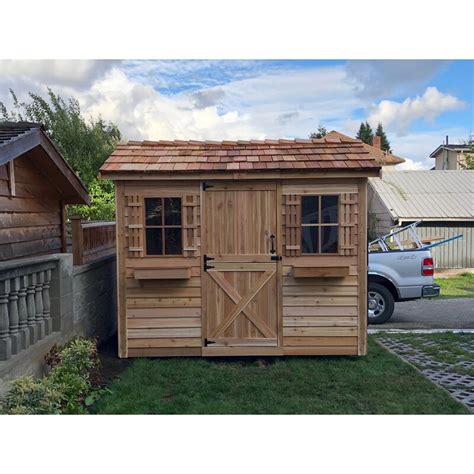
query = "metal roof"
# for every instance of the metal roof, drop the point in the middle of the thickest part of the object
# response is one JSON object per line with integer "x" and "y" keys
{"x": 427, "y": 195}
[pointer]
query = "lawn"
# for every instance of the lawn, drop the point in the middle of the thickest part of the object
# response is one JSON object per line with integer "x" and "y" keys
{"x": 379, "y": 383}
{"x": 458, "y": 286}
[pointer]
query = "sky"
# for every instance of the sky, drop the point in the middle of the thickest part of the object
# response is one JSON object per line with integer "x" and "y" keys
{"x": 418, "y": 102}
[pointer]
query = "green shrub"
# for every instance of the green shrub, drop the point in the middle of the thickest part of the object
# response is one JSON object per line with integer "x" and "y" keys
{"x": 69, "y": 388}
{"x": 102, "y": 208}
{"x": 29, "y": 396}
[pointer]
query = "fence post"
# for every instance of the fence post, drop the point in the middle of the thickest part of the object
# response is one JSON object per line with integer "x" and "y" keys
{"x": 77, "y": 240}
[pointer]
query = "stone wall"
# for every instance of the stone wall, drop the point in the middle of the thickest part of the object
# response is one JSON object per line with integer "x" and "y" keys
{"x": 82, "y": 301}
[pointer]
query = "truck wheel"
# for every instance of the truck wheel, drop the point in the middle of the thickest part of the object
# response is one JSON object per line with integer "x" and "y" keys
{"x": 380, "y": 304}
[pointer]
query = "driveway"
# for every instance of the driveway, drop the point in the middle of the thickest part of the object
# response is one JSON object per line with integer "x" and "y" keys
{"x": 452, "y": 313}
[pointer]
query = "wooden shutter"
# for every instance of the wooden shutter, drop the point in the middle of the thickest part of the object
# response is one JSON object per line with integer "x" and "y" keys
{"x": 191, "y": 219}
{"x": 134, "y": 218}
{"x": 292, "y": 225}
{"x": 349, "y": 219}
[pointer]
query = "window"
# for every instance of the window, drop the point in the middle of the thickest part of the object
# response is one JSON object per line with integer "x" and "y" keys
{"x": 163, "y": 226}
{"x": 319, "y": 224}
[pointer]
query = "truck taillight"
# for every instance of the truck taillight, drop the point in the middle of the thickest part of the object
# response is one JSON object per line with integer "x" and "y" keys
{"x": 427, "y": 268}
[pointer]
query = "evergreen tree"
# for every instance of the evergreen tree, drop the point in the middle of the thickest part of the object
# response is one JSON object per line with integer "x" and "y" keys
{"x": 365, "y": 133}
{"x": 320, "y": 133}
{"x": 385, "y": 144}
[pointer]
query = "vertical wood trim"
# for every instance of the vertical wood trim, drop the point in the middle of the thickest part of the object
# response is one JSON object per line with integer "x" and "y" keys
{"x": 62, "y": 210}
{"x": 279, "y": 269}
{"x": 11, "y": 178}
{"x": 204, "y": 277}
{"x": 77, "y": 240}
{"x": 362, "y": 267}
{"x": 121, "y": 249}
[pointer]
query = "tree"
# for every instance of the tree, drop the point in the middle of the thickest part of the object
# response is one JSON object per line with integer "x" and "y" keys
{"x": 385, "y": 144}
{"x": 84, "y": 144}
{"x": 469, "y": 163}
{"x": 320, "y": 133}
{"x": 365, "y": 133}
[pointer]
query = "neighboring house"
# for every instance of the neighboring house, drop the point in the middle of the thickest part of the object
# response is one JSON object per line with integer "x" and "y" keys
{"x": 450, "y": 157}
{"x": 443, "y": 200}
{"x": 384, "y": 159}
{"x": 240, "y": 248}
{"x": 44, "y": 299}
{"x": 36, "y": 183}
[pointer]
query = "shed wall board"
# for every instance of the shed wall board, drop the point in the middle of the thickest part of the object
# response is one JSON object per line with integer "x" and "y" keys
{"x": 165, "y": 317}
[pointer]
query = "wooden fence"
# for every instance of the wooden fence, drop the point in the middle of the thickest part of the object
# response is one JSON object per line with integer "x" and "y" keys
{"x": 92, "y": 240}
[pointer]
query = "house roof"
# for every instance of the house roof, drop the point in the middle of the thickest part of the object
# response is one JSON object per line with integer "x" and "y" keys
{"x": 427, "y": 195}
{"x": 451, "y": 148}
{"x": 18, "y": 138}
{"x": 382, "y": 157}
{"x": 248, "y": 156}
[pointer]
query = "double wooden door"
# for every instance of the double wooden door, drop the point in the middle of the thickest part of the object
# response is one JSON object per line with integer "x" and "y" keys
{"x": 240, "y": 268}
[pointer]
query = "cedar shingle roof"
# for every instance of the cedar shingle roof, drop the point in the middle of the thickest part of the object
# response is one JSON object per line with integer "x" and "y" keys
{"x": 382, "y": 157}
{"x": 253, "y": 155}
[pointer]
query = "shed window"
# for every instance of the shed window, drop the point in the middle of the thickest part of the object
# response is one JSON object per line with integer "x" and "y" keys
{"x": 319, "y": 224}
{"x": 163, "y": 226}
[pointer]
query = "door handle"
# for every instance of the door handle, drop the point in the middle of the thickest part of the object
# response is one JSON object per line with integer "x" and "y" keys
{"x": 272, "y": 240}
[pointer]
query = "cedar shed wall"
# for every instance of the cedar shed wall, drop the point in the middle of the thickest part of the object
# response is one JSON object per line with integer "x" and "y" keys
{"x": 318, "y": 315}
{"x": 30, "y": 221}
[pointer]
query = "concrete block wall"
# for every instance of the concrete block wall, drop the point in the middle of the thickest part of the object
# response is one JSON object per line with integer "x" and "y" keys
{"x": 83, "y": 303}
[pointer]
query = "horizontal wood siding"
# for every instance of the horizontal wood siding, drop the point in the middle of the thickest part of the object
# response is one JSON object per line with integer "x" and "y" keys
{"x": 321, "y": 314}
{"x": 162, "y": 316}
{"x": 30, "y": 216}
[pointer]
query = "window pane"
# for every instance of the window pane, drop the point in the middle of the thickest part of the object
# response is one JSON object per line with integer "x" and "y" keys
{"x": 154, "y": 242}
{"x": 309, "y": 239}
{"x": 153, "y": 211}
{"x": 173, "y": 242}
{"x": 309, "y": 209}
{"x": 329, "y": 239}
{"x": 172, "y": 211}
{"x": 329, "y": 209}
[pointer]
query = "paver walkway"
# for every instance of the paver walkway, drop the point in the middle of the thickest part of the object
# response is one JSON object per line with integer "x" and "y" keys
{"x": 448, "y": 365}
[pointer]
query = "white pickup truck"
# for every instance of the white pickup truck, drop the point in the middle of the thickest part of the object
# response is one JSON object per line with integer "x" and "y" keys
{"x": 398, "y": 275}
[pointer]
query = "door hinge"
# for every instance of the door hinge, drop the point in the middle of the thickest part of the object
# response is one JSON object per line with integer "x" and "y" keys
{"x": 206, "y": 259}
{"x": 206, "y": 186}
{"x": 207, "y": 342}
{"x": 276, "y": 257}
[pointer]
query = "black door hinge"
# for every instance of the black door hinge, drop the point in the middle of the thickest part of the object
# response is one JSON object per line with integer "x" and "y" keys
{"x": 206, "y": 267}
{"x": 206, "y": 186}
{"x": 207, "y": 342}
{"x": 275, "y": 257}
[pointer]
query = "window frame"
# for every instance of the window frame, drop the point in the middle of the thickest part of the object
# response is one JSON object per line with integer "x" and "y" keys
{"x": 320, "y": 224}
{"x": 162, "y": 226}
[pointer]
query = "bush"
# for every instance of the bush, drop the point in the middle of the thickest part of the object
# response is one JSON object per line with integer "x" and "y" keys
{"x": 69, "y": 388}
{"x": 102, "y": 208}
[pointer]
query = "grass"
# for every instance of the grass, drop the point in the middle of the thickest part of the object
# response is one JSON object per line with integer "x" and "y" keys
{"x": 458, "y": 286}
{"x": 450, "y": 348}
{"x": 379, "y": 383}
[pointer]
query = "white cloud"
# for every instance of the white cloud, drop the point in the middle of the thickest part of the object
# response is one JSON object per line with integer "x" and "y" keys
{"x": 378, "y": 78}
{"x": 400, "y": 115}
{"x": 78, "y": 73}
{"x": 410, "y": 165}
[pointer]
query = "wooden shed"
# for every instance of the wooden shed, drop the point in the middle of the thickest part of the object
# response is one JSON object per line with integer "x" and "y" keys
{"x": 242, "y": 247}
{"x": 35, "y": 185}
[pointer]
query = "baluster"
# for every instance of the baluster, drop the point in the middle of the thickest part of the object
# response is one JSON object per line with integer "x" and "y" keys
{"x": 31, "y": 307}
{"x": 47, "y": 303}
{"x": 5, "y": 341}
{"x": 23, "y": 313}
{"x": 39, "y": 304}
{"x": 13, "y": 315}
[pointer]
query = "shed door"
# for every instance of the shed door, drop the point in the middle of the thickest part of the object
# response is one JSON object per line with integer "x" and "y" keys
{"x": 241, "y": 295}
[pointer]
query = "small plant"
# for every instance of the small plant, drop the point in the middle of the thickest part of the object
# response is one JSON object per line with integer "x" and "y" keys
{"x": 70, "y": 387}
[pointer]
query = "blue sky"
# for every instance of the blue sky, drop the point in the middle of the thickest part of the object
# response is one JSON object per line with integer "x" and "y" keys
{"x": 419, "y": 102}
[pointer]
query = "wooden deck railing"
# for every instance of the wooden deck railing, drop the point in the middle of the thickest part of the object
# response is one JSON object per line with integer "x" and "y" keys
{"x": 91, "y": 240}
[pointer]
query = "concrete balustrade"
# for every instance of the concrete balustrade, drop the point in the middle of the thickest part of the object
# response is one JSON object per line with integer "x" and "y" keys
{"x": 25, "y": 304}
